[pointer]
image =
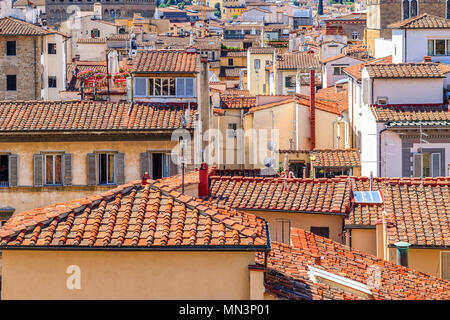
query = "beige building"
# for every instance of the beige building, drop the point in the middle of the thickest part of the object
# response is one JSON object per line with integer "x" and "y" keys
{"x": 257, "y": 74}
{"x": 33, "y": 61}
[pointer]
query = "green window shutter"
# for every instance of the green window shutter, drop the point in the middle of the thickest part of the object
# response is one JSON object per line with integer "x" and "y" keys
{"x": 287, "y": 82}
{"x": 38, "y": 160}
{"x": 120, "y": 168}
{"x": 145, "y": 163}
{"x": 13, "y": 167}
{"x": 67, "y": 163}
{"x": 91, "y": 169}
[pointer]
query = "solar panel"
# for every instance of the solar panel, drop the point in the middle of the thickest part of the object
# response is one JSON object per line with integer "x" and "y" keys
{"x": 367, "y": 197}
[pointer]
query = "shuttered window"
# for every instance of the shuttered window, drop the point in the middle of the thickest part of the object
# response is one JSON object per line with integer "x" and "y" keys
{"x": 53, "y": 169}
{"x": 281, "y": 230}
{"x": 105, "y": 168}
{"x": 173, "y": 163}
{"x": 13, "y": 170}
{"x": 38, "y": 160}
{"x": 185, "y": 87}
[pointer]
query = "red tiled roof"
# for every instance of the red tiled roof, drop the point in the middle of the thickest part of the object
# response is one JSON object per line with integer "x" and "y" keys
{"x": 300, "y": 195}
{"x": 288, "y": 277}
{"x": 228, "y": 101}
{"x": 337, "y": 94}
{"x": 355, "y": 71}
{"x": 32, "y": 116}
{"x": 419, "y": 210}
{"x": 285, "y": 100}
{"x": 16, "y": 27}
{"x": 410, "y": 112}
{"x": 332, "y": 158}
{"x": 339, "y": 56}
{"x": 404, "y": 70}
{"x": 132, "y": 216}
{"x": 302, "y": 60}
{"x": 166, "y": 61}
{"x": 262, "y": 50}
{"x": 328, "y": 106}
{"x": 423, "y": 21}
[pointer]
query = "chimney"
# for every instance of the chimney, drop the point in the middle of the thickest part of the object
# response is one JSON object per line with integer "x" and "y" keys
{"x": 427, "y": 59}
{"x": 203, "y": 103}
{"x": 381, "y": 237}
{"x": 312, "y": 98}
{"x": 402, "y": 253}
{"x": 144, "y": 178}
{"x": 203, "y": 185}
{"x": 339, "y": 87}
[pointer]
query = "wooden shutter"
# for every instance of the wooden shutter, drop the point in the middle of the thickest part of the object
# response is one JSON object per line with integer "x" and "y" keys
{"x": 173, "y": 166}
{"x": 91, "y": 169}
{"x": 417, "y": 165}
{"x": 38, "y": 160}
{"x": 120, "y": 168}
{"x": 13, "y": 167}
{"x": 435, "y": 164}
{"x": 445, "y": 265}
{"x": 67, "y": 169}
{"x": 145, "y": 163}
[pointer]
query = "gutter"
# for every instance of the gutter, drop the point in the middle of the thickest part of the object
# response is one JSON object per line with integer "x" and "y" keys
{"x": 292, "y": 211}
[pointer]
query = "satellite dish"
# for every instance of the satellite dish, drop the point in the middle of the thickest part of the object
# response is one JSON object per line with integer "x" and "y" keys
{"x": 268, "y": 162}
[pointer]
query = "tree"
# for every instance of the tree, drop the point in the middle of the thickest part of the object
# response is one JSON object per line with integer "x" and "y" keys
{"x": 181, "y": 5}
{"x": 218, "y": 12}
{"x": 320, "y": 8}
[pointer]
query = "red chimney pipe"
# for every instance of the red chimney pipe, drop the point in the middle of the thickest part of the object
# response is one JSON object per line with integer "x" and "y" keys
{"x": 203, "y": 186}
{"x": 312, "y": 99}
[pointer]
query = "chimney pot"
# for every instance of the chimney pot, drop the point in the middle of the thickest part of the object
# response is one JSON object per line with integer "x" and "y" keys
{"x": 427, "y": 59}
{"x": 203, "y": 186}
{"x": 402, "y": 253}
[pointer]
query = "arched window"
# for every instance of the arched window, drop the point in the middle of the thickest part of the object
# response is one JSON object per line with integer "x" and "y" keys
{"x": 118, "y": 13}
{"x": 112, "y": 13}
{"x": 448, "y": 9}
{"x": 410, "y": 8}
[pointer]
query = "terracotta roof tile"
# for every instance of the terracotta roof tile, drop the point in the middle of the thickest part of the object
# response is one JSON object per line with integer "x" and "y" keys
{"x": 405, "y": 113}
{"x": 288, "y": 266}
{"x": 91, "y": 40}
{"x": 166, "y": 61}
{"x": 355, "y": 71}
{"x": 333, "y": 158}
{"x": 298, "y": 60}
{"x": 228, "y": 101}
{"x": 423, "y": 21}
{"x": 13, "y": 26}
{"x": 132, "y": 216}
{"x": 34, "y": 116}
{"x": 404, "y": 70}
{"x": 262, "y": 50}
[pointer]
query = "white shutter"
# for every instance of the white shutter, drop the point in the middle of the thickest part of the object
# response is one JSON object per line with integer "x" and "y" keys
{"x": 189, "y": 87}
{"x": 436, "y": 164}
{"x": 180, "y": 87}
{"x": 140, "y": 87}
{"x": 417, "y": 165}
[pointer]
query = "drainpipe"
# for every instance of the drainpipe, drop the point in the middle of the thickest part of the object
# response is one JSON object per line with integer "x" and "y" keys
{"x": 312, "y": 99}
{"x": 402, "y": 253}
{"x": 35, "y": 85}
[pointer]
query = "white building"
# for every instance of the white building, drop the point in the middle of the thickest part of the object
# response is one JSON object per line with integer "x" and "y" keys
{"x": 333, "y": 68}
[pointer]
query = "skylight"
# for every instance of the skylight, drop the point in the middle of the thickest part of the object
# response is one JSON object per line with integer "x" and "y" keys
{"x": 367, "y": 197}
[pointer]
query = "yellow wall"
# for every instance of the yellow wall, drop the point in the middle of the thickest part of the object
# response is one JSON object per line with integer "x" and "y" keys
{"x": 363, "y": 240}
{"x": 237, "y": 61}
{"x": 303, "y": 221}
{"x": 256, "y": 81}
{"x": 27, "y": 197}
{"x": 424, "y": 260}
{"x": 34, "y": 274}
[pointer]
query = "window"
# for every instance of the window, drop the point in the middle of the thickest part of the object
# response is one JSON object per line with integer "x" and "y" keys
{"x": 289, "y": 82}
{"x": 337, "y": 71}
{"x": 52, "y": 48}
{"x": 95, "y": 33}
{"x": 10, "y": 48}
{"x": 11, "y": 81}
{"x": 106, "y": 168}
{"x": 185, "y": 87}
{"x": 140, "y": 88}
{"x": 257, "y": 64}
{"x": 53, "y": 169}
{"x": 354, "y": 35}
{"x": 230, "y": 61}
{"x": 231, "y": 131}
{"x": 410, "y": 8}
{"x": 159, "y": 165}
{"x": 438, "y": 47}
{"x": 448, "y": 9}
{"x": 321, "y": 231}
{"x": 382, "y": 100}
{"x": 4, "y": 170}
{"x": 427, "y": 164}
{"x": 52, "y": 82}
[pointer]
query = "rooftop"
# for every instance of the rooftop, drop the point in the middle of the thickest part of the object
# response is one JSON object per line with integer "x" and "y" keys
{"x": 423, "y": 21}
{"x": 165, "y": 61}
{"x": 302, "y": 60}
{"x": 404, "y": 70}
{"x": 335, "y": 158}
{"x": 411, "y": 112}
{"x": 12, "y": 26}
{"x": 133, "y": 216}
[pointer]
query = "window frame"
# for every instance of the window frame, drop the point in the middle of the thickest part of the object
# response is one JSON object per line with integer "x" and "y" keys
{"x": 15, "y": 82}
{"x": 52, "y": 78}
{"x": 15, "y": 48}
{"x": 53, "y": 48}
{"x": 53, "y": 155}
{"x": 2, "y": 183}
{"x": 446, "y": 47}
{"x": 99, "y": 173}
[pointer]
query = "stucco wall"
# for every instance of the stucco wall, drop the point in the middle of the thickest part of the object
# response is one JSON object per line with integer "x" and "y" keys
{"x": 363, "y": 240}
{"x": 424, "y": 260}
{"x": 127, "y": 275}
{"x": 302, "y": 221}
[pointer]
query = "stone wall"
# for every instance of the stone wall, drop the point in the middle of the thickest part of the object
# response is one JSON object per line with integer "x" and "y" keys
{"x": 25, "y": 65}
